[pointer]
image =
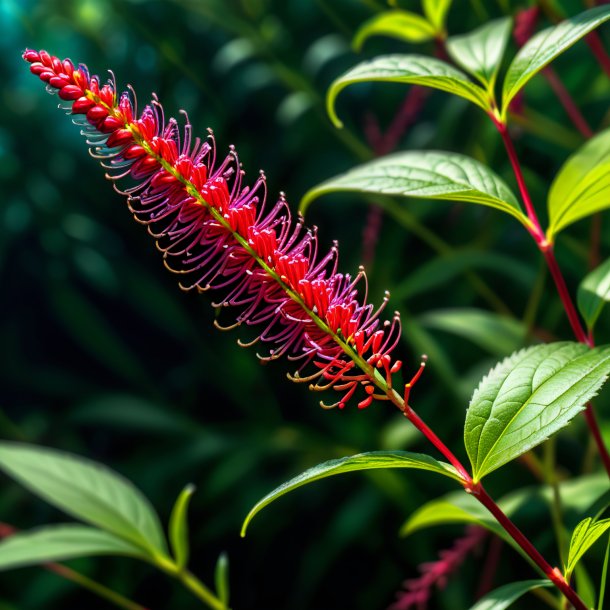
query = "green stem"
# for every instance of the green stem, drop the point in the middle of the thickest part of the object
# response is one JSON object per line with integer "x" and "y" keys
{"x": 199, "y": 590}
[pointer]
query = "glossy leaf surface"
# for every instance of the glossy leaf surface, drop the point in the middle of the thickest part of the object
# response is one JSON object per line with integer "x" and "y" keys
{"x": 585, "y": 535}
{"x": 503, "y": 597}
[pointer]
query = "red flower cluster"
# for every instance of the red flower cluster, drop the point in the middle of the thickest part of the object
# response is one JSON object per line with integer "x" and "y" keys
{"x": 217, "y": 233}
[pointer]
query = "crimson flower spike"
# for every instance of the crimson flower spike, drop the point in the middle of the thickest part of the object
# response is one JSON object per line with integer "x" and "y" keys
{"x": 218, "y": 235}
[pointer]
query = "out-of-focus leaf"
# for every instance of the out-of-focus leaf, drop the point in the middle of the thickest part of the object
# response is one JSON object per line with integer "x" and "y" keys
{"x": 545, "y": 46}
{"x": 497, "y": 334}
{"x": 602, "y": 587}
{"x": 584, "y": 536}
{"x": 480, "y": 52}
{"x": 425, "y": 175}
{"x": 178, "y": 527}
{"x": 436, "y": 12}
{"x": 400, "y": 24}
{"x": 408, "y": 69}
{"x": 86, "y": 490}
{"x": 60, "y": 543}
{"x": 503, "y": 597}
{"x": 594, "y": 293}
{"x": 221, "y": 578}
{"x": 528, "y": 397}
{"x": 362, "y": 461}
{"x": 582, "y": 185}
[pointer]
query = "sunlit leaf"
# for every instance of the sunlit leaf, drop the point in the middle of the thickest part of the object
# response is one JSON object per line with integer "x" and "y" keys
{"x": 178, "y": 527}
{"x": 362, "y": 461}
{"x": 503, "y": 597}
{"x": 582, "y": 185}
{"x": 86, "y": 490}
{"x": 528, "y": 397}
{"x": 425, "y": 175}
{"x": 545, "y": 46}
{"x": 436, "y": 12}
{"x": 400, "y": 24}
{"x": 585, "y": 535}
{"x": 480, "y": 52}
{"x": 408, "y": 69}
{"x": 594, "y": 293}
{"x": 60, "y": 543}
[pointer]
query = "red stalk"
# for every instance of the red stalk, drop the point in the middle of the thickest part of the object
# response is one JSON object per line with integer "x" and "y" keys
{"x": 595, "y": 43}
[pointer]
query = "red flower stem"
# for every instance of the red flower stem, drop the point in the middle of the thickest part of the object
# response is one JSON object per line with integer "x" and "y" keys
{"x": 554, "y": 574}
{"x": 549, "y": 256}
{"x": 595, "y": 43}
{"x": 564, "y": 97}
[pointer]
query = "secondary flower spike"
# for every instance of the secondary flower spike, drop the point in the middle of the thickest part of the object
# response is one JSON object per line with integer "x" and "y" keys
{"x": 218, "y": 234}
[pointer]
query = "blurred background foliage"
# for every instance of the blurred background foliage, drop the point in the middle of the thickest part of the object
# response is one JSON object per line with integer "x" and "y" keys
{"x": 102, "y": 355}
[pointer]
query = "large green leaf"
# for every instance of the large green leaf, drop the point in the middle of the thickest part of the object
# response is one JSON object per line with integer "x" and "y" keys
{"x": 436, "y": 12}
{"x": 545, "y": 46}
{"x": 361, "y": 461}
{"x": 400, "y": 24}
{"x": 408, "y": 69}
{"x": 503, "y": 597}
{"x": 582, "y": 185}
{"x": 585, "y": 535}
{"x": 528, "y": 397}
{"x": 425, "y": 175}
{"x": 480, "y": 52}
{"x": 594, "y": 293}
{"x": 60, "y": 543}
{"x": 86, "y": 490}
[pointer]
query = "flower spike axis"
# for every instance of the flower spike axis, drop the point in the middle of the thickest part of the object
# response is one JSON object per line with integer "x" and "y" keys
{"x": 218, "y": 234}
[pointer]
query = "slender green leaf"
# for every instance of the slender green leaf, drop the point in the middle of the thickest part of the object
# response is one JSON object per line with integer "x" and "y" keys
{"x": 602, "y": 586}
{"x": 425, "y": 175}
{"x": 400, "y": 24}
{"x": 60, "y": 543}
{"x": 528, "y": 397}
{"x": 503, "y": 597}
{"x": 86, "y": 490}
{"x": 545, "y": 46}
{"x": 585, "y": 535}
{"x": 497, "y": 334}
{"x": 408, "y": 69}
{"x": 594, "y": 293}
{"x": 361, "y": 461}
{"x": 221, "y": 578}
{"x": 436, "y": 12}
{"x": 178, "y": 527}
{"x": 582, "y": 185}
{"x": 480, "y": 52}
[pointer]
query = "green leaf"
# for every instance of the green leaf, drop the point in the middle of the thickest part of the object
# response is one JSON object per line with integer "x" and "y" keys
{"x": 594, "y": 293}
{"x": 497, "y": 334}
{"x": 602, "y": 586}
{"x": 408, "y": 69}
{"x": 582, "y": 185}
{"x": 528, "y": 397}
{"x": 178, "y": 527}
{"x": 60, "y": 543}
{"x": 436, "y": 12}
{"x": 425, "y": 175}
{"x": 480, "y": 52}
{"x": 545, "y": 46}
{"x": 221, "y": 578}
{"x": 361, "y": 461}
{"x": 400, "y": 24}
{"x": 502, "y": 597}
{"x": 585, "y": 535}
{"x": 86, "y": 490}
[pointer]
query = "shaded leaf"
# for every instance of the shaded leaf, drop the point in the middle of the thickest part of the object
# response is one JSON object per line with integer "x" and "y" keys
{"x": 480, "y": 52}
{"x": 221, "y": 578}
{"x": 400, "y": 24}
{"x": 545, "y": 46}
{"x": 528, "y": 397}
{"x": 585, "y": 535}
{"x": 361, "y": 461}
{"x": 502, "y": 597}
{"x": 86, "y": 490}
{"x": 60, "y": 543}
{"x": 582, "y": 185}
{"x": 178, "y": 527}
{"x": 425, "y": 175}
{"x": 594, "y": 293}
{"x": 408, "y": 69}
